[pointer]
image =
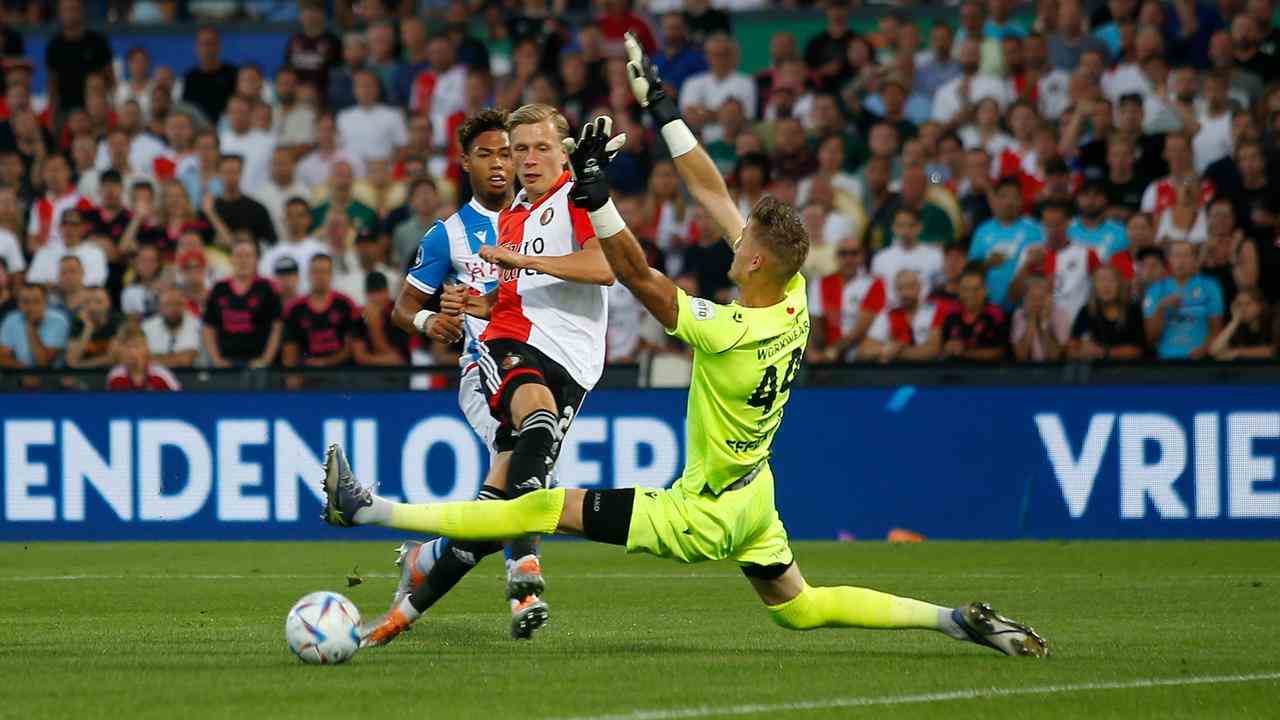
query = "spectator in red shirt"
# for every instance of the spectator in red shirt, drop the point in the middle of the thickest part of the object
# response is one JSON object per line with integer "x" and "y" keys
{"x": 60, "y": 195}
{"x": 1162, "y": 194}
{"x": 136, "y": 372}
{"x": 911, "y": 331}
{"x": 846, "y": 303}
{"x": 977, "y": 330}
{"x": 619, "y": 19}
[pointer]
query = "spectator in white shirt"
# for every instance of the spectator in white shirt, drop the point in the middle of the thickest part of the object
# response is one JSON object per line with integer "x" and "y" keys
{"x": 353, "y": 267}
{"x": 371, "y": 129}
{"x": 1128, "y": 77}
{"x": 1213, "y": 139}
{"x": 255, "y": 146}
{"x": 10, "y": 249}
{"x": 144, "y": 148}
{"x": 315, "y": 168}
{"x": 440, "y": 90}
{"x": 703, "y": 93}
{"x": 825, "y": 226}
{"x": 956, "y": 99}
{"x": 44, "y": 266}
{"x": 907, "y": 253}
{"x": 295, "y": 242}
{"x": 113, "y": 154}
{"x": 631, "y": 331}
{"x": 138, "y": 86}
{"x": 173, "y": 333}
{"x": 282, "y": 185}
{"x": 295, "y": 121}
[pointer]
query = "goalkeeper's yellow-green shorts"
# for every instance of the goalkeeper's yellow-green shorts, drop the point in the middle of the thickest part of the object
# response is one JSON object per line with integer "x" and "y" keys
{"x": 740, "y": 525}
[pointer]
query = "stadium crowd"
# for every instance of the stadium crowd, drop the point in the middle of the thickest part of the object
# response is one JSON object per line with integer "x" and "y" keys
{"x": 1033, "y": 183}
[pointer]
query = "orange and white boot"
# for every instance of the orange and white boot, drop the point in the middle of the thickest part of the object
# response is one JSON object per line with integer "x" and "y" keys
{"x": 525, "y": 586}
{"x": 384, "y": 629}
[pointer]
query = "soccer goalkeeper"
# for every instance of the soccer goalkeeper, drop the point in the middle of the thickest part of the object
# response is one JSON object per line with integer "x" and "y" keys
{"x": 746, "y": 355}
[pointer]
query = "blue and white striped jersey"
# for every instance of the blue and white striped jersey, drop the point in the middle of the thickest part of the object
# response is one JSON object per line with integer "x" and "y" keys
{"x": 450, "y": 252}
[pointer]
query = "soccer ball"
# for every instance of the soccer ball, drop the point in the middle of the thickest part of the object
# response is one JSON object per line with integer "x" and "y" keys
{"x": 323, "y": 628}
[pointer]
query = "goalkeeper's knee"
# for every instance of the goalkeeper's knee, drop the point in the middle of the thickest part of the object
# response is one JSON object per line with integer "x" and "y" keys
{"x": 798, "y": 613}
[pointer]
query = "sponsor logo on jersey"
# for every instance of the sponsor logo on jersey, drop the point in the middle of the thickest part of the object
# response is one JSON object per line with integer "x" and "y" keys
{"x": 547, "y": 215}
{"x": 702, "y": 310}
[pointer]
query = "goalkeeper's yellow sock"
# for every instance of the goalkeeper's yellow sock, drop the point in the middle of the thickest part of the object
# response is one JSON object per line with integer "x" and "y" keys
{"x": 537, "y": 512}
{"x": 855, "y": 607}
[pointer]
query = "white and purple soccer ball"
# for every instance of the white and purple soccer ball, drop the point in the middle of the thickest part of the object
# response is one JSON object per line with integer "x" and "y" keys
{"x": 323, "y": 628}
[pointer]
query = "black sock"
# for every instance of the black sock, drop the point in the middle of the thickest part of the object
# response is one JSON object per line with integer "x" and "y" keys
{"x": 456, "y": 561}
{"x": 518, "y": 548}
{"x": 530, "y": 468}
{"x": 535, "y": 451}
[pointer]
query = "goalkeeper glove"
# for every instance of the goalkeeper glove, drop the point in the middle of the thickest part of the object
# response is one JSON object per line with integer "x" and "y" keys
{"x": 589, "y": 157}
{"x": 647, "y": 86}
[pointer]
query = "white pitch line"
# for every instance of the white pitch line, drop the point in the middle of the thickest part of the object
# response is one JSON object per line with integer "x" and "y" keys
{"x": 883, "y": 700}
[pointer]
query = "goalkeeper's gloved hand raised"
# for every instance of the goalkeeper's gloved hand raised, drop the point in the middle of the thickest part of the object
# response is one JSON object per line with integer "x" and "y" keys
{"x": 647, "y": 86}
{"x": 589, "y": 156}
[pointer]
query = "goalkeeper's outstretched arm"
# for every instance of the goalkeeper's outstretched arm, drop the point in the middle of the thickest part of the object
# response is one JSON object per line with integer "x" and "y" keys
{"x": 590, "y": 156}
{"x": 691, "y": 160}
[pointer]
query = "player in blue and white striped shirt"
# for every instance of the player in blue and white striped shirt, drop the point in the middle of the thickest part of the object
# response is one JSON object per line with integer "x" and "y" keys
{"x": 450, "y": 253}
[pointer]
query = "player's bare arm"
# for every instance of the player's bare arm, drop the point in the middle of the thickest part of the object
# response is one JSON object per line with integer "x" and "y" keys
{"x": 411, "y": 315}
{"x": 587, "y": 265}
{"x": 693, "y": 164}
{"x": 589, "y": 156}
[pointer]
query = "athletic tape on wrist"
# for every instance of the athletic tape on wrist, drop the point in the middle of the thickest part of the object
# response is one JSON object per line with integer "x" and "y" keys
{"x": 420, "y": 319}
{"x": 606, "y": 220}
{"x": 679, "y": 137}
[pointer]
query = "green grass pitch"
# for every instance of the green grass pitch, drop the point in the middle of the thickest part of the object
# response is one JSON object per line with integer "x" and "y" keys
{"x": 1161, "y": 629}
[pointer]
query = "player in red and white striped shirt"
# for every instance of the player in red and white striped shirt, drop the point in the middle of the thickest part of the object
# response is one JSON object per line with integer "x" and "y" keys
{"x": 910, "y": 331}
{"x": 543, "y": 349}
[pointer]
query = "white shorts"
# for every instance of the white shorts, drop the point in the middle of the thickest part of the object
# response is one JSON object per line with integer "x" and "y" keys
{"x": 476, "y": 409}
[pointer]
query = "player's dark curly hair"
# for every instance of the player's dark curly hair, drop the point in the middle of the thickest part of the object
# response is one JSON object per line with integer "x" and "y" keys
{"x": 482, "y": 122}
{"x": 778, "y": 227}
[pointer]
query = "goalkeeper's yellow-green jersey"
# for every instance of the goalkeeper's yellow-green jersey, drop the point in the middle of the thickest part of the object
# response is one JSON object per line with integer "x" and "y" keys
{"x": 744, "y": 361}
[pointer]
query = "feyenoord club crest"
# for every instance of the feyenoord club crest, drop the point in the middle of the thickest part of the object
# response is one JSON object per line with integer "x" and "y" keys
{"x": 510, "y": 361}
{"x": 547, "y": 215}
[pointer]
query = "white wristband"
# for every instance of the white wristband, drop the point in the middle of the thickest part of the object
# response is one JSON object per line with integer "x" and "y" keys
{"x": 606, "y": 220}
{"x": 679, "y": 137}
{"x": 420, "y": 320}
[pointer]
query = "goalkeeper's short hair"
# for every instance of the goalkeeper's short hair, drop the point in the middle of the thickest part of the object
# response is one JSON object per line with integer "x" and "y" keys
{"x": 777, "y": 225}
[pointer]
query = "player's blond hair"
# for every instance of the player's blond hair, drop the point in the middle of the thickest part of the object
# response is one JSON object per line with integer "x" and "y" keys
{"x": 534, "y": 113}
{"x": 778, "y": 227}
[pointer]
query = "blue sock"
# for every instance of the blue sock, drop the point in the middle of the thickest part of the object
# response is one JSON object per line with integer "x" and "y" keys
{"x": 430, "y": 553}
